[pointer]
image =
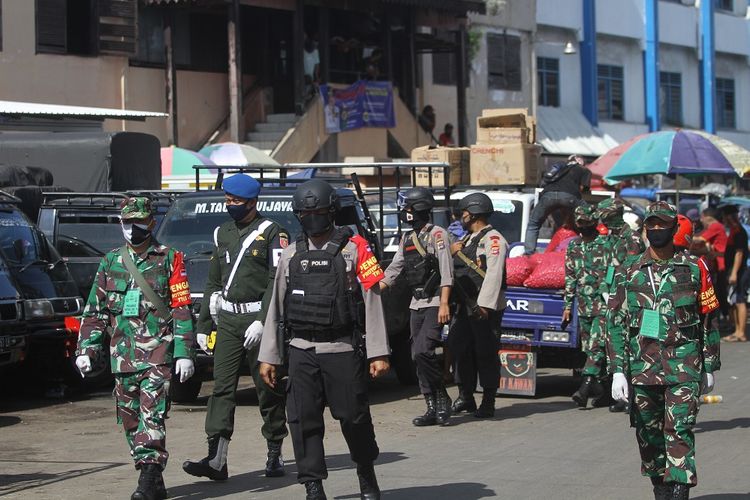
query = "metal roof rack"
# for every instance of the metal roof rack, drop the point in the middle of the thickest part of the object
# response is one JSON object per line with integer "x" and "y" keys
{"x": 6, "y": 197}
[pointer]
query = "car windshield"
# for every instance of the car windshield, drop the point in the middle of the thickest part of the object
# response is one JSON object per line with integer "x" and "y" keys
{"x": 88, "y": 235}
{"x": 21, "y": 243}
{"x": 189, "y": 225}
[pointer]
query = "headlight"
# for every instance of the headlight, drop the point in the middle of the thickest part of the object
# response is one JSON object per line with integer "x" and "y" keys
{"x": 38, "y": 309}
{"x": 552, "y": 336}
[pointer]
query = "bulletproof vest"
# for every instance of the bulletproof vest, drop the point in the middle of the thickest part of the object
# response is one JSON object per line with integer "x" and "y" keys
{"x": 318, "y": 295}
{"x": 466, "y": 276}
{"x": 421, "y": 269}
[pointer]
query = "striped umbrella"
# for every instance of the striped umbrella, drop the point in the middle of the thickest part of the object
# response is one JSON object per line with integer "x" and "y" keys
{"x": 672, "y": 152}
{"x": 180, "y": 161}
{"x": 234, "y": 154}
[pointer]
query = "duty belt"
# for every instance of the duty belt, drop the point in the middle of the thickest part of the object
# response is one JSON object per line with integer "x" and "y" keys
{"x": 241, "y": 308}
{"x": 329, "y": 336}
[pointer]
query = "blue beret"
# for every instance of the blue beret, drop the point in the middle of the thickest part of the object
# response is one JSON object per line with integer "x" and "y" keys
{"x": 242, "y": 185}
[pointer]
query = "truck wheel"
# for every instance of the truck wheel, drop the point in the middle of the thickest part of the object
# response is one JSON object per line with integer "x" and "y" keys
{"x": 186, "y": 392}
{"x": 401, "y": 361}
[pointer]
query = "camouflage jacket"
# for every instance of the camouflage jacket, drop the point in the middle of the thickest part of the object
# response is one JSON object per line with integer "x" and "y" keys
{"x": 584, "y": 265}
{"x": 683, "y": 297}
{"x": 619, "y": 244}
{"x": 144, "y": 340}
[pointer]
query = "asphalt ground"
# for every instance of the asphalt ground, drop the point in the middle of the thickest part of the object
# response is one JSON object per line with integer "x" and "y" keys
{"x": 536, "y": 448}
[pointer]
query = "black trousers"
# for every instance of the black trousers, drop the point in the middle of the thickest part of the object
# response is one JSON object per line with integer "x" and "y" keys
{"x": 425, "y": 338}
{"x": 340, "y": 381}
{"x": 474, "y": 346}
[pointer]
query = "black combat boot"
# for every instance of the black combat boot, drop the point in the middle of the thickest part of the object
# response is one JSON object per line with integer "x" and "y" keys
{"x": 618, "y": 406}
{"x": 590, "y": 388}
{"x": 464, "y": 401}
{"x": 487, "y": 407}
{"x": 368, "y": 483}
{"x": 214, "y": 466}
{"x": 150, "y": 484}
{"x": 275, "y": 462}
{"x": 661, "y": 491}
{"x": 679, "y": 491}
{"x": 315, "y": 490}
{"x": 429, "y": 417}
{"x": 443, "y": 407}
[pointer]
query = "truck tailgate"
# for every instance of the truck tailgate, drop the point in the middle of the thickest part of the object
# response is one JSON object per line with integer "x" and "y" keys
{"x": 533, "y": 317}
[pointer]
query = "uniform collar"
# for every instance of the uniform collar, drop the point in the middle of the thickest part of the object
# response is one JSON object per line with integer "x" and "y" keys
{"x": 646, "y": 259}
{"x": 155, "y": 248}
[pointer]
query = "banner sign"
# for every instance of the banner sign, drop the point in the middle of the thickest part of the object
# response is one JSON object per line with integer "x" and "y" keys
{"x": 362, "y": 104}
{"x": 517, "y": 372}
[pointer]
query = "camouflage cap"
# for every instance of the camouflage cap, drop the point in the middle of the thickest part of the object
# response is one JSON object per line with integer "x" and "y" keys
{"x": 585, "y": 215}
{"x": 661, "y": 210}
{"x": 137, "y": 207}
{"x": 610, "y": 207}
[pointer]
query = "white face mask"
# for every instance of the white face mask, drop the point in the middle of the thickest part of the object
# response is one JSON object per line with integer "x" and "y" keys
{"x": 135, "y": 234}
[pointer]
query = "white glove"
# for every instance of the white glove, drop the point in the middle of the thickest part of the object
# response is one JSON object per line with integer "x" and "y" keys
{"x": 253, "y": 334}
{"x": 184, "y": 368}
{"x": 83, "y": 363}
{"x": 707, "y": 383}
{"x": 202, "y": 340}
{"x": 214, "y": 305}
{"x": 619, "y": 387}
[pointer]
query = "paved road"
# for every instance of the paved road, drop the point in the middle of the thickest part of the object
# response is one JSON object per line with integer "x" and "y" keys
{"x": 540, "y": 448}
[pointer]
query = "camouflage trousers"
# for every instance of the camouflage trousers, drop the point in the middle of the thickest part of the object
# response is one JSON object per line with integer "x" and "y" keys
{"x": 663, "y": 417}
{"x": 142, "y": 406}
{"x": 593, "y": 344}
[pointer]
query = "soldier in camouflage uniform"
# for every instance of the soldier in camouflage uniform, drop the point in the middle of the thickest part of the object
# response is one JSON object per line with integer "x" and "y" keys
{"x": 145, "y": 338}
{"x": 582, "y": 283}
{"x": 619, "y": 243}
{"x": 665, "y": 341}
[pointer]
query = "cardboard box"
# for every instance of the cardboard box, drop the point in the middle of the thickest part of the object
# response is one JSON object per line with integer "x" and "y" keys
{"x": 511, "y": 117}
{"x": 457, "y": 158}
{"x": 499, "y": 135}
{"x": 505, "y": 164}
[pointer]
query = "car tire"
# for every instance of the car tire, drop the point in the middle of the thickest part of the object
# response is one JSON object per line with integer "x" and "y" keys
{"x": 185, "y": 392}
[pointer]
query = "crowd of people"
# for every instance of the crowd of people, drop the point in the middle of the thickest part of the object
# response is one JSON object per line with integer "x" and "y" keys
{"x": 308, "y": 316}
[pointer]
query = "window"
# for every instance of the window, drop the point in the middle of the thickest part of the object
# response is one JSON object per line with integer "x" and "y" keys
{"x": 504, "y": 62}
{"x": 548, "y": 76}
{"x": 86, "y": 27}
{"x": 724, "y": 5}
{"x": 725, "y": 105}
{"x": 670, "y": 98}
{"x": 444, "y": 70}
{"x": 610, "y": 92}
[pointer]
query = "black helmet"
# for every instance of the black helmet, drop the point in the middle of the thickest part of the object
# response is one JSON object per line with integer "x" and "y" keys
{"x": 314, "y": 194}
{"x": 418, "y": 199}
{"x": 476, "y": 204}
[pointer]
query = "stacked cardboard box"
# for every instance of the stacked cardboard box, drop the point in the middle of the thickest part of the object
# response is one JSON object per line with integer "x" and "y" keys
{"x": 457, "y": 158}
{"x": 505, "y": 153}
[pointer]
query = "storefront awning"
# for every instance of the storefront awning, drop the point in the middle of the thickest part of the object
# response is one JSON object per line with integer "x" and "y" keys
{"x": 37, "y": 110}
{"x": 565, "y": 131}
{"x": 458, "y": 6}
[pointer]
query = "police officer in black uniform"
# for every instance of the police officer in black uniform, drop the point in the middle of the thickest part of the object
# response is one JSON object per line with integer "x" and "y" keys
{"x": 424, "y": 256}
{"x": 479, "y": 262}
{"x": 326, "y": 300}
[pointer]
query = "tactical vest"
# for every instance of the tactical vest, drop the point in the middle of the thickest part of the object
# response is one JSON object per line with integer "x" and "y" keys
{"x": 469, "y": 277}
{"x": 421, "y": 269}
{"x": 318, "y": 295}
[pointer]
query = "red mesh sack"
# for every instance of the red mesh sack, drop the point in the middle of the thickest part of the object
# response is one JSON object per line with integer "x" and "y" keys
{"x": 549, "y": 273}
{"x": 517, "y": 269}
{"x": 535, "y": 259}
{"x": 562, "y": 235}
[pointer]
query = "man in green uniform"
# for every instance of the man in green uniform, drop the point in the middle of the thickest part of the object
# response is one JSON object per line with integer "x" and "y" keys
{"x": 141, "y": 299}
{"x": 582, "y": 262}
{"x": 620, "y": 242}
{"x": 665, "y": 340}
{"x": 239, "y": 288}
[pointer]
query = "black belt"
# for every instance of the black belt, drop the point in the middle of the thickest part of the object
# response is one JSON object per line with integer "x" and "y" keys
{"x": 326, "y": 336}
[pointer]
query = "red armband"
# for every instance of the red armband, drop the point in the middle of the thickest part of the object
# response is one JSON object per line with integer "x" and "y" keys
{"x": 708, "y": 299}
{"x": 368, "y": 267}
{"x": 178, "y": 283}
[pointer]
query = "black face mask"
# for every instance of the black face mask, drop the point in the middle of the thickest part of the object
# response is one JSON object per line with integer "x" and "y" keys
{"x": 316, "y": 224}
{"x": 135, "y": 234}
{"x": 466, "y": 223}
{"x": 415, "y": 219}
{"x": 239, "y": 212}
{"x": 588, "y": 231}
{"x": 659, "y": 238}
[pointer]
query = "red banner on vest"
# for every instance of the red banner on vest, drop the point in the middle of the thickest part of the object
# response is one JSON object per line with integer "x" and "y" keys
{"x": 368, "y": 267}
{"x": 178, "y": 283}
{"x": 708, "y": 299}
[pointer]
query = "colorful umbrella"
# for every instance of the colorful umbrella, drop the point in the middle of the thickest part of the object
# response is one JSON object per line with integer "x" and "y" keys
{"x": 671, "y": 152}
{"x": 234, "y": 154}
{"x": 180, "y": 161}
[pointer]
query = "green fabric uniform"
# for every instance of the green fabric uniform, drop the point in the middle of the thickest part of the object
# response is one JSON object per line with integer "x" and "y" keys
{"x": 253, "y": 282}
{"x": 664, "y": 335}
{"x": 143, "y": 344}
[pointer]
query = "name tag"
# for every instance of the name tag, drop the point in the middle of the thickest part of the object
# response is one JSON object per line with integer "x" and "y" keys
{"x": 610, "y": 275}
{"x": 132, "y": 303}
{"x": 650, "y": 324}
